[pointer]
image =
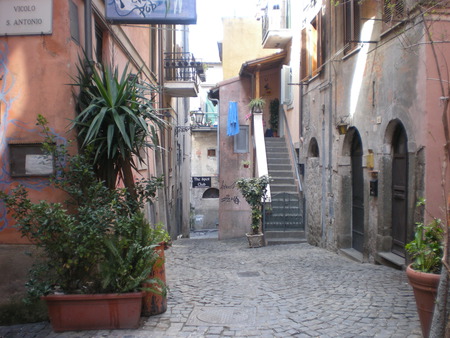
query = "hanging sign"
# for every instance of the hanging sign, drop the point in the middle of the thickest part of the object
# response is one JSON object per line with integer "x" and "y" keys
{"x": 201, "y": 182}
{"x": 26, "y": 17}
{"x": 178, "y": 12}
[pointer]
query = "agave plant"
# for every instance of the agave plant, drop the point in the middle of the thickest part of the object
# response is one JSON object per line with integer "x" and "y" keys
{"x": 117, "y": 118}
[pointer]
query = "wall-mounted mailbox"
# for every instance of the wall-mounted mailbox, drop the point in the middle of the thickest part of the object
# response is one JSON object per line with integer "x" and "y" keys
{"x": 374, "y": 187}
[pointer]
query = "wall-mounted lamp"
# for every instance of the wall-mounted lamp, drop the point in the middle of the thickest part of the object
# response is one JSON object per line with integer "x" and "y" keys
{"x": 342, "y": 128}
{"x": 198, "y": 116}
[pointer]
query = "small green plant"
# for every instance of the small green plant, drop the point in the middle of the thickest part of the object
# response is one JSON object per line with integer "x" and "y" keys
{"x": 245, "y": 163}
{"x": 426, "y": 249}
{"x": 257, "y": 104}
{"x": 253, "y": 189}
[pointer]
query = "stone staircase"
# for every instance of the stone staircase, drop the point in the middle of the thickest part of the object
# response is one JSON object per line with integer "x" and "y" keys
{"x": 284, "y": 223}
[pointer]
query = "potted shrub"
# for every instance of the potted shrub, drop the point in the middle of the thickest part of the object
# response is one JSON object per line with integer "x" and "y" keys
{"x": 155, "y": 297}
{"x": 426, "y": 252}
{"x": 97, "y": 247}
{"x": 257, "y": 105}
{"x": 253, "y": 190}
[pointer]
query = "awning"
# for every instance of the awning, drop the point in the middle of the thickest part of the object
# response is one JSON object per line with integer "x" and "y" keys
{"x": 264, "y": 63}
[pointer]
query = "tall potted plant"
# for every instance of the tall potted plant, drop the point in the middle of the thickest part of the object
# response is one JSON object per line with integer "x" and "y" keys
{"x": 253, "y": 190}
{"x": 426, "y": 252}
{"x": 274, "y": 115}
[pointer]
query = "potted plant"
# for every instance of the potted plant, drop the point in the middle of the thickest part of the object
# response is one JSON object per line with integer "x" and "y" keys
{"x": 245, "y": 163}
{"x": 426, "y": 252}
{"x": 253, "y": 190}
{"x": 155, "y": 297}
{"x": 97, "y": 248}
{"x": 257, "y": 105}
{"x": 274, "y": 115}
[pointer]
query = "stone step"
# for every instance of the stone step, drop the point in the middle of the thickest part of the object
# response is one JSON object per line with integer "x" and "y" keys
{"x": 284, "y": 237}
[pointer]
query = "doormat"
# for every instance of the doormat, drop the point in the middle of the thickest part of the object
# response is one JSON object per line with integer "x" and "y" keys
{"x": 222, "y": 316}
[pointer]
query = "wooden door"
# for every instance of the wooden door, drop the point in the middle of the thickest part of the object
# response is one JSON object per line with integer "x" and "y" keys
{"x": 357, "y": 194}
{"x": 399, "y": 190}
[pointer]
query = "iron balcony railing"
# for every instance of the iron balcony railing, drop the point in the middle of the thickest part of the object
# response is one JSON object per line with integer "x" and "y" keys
{"x": 182, "y": 67}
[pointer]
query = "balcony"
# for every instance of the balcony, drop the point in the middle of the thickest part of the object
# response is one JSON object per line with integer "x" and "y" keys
{"x": 275, "y": 26}
{"x": 182, "y": 74}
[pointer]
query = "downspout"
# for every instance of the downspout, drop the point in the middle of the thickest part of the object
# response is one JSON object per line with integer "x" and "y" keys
{"x": 218, "y": 133}
{"x": 88, "y": 31}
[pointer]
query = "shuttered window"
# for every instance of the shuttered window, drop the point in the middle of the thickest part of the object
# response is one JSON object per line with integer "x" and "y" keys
{"x": 352, "y": 21}
{"x": 312, "y": 53}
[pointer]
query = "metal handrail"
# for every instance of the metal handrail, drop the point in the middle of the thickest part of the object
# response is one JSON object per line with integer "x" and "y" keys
{"x": 291, "y": 147}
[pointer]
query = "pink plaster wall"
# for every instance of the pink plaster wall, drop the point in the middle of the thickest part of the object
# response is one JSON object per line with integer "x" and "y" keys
{"x": 36, "y": 72}
{"x": 234, "y": 212}
{"x": 434, "y": 131}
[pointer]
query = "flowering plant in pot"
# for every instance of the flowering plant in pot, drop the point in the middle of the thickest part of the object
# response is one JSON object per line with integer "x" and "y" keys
{"x": 253, "y": 190}
{"x": 426, "y": 252}
{"x": 96, "y": 245}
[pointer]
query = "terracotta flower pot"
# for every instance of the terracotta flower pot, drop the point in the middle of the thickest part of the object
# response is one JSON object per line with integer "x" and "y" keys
{"x": 153, "y": 303}
{"x": 94, "y": 312}
{"x": 425, "y": 289}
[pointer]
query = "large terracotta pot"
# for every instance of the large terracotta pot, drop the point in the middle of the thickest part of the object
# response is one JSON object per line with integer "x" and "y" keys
{"x": 153, "y": 303}
{"x": 94, "y": 312}
{"x": 425, "y": 289}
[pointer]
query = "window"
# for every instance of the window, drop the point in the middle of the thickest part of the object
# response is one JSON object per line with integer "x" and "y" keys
{"x": 98, "y": 42}
{"x": 352, "y": 29}
{"x": 312, "y": 54}
{"x": 73, "y": 14}
{"x": 241, "y": 140}
{"x": 393, "y": 13}
{"x": 211, "y": 193}
{"x": 212, "y": 152}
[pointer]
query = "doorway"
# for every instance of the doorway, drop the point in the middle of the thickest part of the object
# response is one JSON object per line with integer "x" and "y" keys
{"x": 399, "y": 190}
{"x": 357, "y": 193}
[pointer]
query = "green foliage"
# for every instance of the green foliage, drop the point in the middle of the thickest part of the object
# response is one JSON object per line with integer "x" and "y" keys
{"x": 17, "y": 311}
{"x": 253, "y": 189}
{"x": 96, "y": 241}
{"x": 426, "y": 249}
{"x": 274, "y": 114}
{"x": 257, "y": 104}
{"x": 116, "y": 117}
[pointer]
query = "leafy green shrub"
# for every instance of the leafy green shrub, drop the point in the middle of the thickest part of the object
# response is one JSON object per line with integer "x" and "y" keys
{"x": 426, "y": 249}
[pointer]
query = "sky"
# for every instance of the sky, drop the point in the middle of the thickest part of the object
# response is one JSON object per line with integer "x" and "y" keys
{"x": 208, "y": 30}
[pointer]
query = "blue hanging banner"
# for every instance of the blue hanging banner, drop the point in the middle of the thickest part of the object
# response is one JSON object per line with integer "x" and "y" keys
{"x": 233, "y": 122}
{"x": 173, "y": 12}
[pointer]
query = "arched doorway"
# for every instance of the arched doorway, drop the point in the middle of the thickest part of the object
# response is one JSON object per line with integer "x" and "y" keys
{"x": 357, "y": 177}
{"x": 399, "y": 189}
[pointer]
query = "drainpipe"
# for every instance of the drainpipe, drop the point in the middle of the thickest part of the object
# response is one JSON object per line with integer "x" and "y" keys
{"x": 218, "y": 134}
{"x": 88, "y": 30}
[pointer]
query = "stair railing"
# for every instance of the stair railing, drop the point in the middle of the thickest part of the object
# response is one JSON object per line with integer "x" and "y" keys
{"x": 291, "y": 148}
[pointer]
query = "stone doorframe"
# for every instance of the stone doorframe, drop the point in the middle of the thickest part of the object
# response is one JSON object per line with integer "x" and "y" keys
{"x": 344, "y": 225}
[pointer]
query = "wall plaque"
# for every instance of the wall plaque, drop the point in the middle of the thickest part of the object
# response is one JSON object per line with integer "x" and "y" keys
{"x": 201, "y": 182}
{"x": 26, "y": 17}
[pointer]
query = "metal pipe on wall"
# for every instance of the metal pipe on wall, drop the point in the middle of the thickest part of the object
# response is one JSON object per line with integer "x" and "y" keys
{"x": 88, "y": 30}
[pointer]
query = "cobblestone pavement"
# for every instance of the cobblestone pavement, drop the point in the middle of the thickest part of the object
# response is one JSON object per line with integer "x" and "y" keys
{"x": 225, "y": 289}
